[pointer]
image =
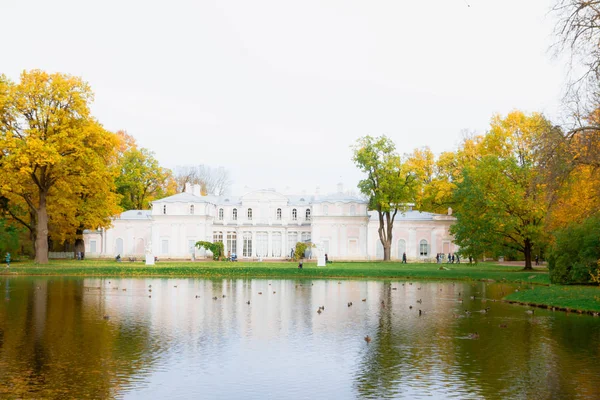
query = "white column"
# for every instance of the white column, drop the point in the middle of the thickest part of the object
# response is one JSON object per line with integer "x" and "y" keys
{"x": 343, "y": 240}
{"x": 269, "y": 244}
{"x": 334, "y": 249}
{"x": 433, "y": 243}
{"x": 412, "y": 250}
{"x": 253, "y": 243}
{"x": 155, "y": 239}
{"x": 362, "y": 245}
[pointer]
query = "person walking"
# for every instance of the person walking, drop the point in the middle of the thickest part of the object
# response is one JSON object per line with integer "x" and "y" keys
{"x": 7, "y": 259}
{"x": 537, "y": 260}
{"x": 403, "y": 258}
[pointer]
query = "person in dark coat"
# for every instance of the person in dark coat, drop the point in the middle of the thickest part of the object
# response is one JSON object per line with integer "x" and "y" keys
{"x": 403, "y": 258}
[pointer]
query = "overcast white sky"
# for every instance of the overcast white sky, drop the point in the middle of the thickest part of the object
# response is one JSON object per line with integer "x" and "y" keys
{"x": 277, "y": 91}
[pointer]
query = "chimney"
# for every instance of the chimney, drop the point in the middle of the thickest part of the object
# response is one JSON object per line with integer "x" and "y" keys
{"x": 449, "y": 210}
{"x": 196, "y": 190}
{"x": 187, "y": 188}
{"x": 340, "y": 187}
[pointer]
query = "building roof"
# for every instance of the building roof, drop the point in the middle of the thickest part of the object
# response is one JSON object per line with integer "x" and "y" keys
{"x": 414, "y": 215}
{"x": 292, "y": 199}
{"x": 136, "y": 214}
{"x": 340, "y": 198}
{"x": 188, "y": 198}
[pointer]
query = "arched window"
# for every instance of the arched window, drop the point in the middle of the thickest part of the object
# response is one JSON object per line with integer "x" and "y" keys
{"x": 279, "y": 214}
{"x": 249, "y": 214}
{"x": 192, "y": 209}
{"x": 352, "y": 210}
{"x": 294, "y": 215}
{"x": 220, "y": 214}
{"x": 423, "y": 248}
{"x": 165, "y": 209}
{"x": 325, "y": 210}
{"x": 307, "y": 214}
{"x": 234, "y": 214}
{"x": 401, "y": 248}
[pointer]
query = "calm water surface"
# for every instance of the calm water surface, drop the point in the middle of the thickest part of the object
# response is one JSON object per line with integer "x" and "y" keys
{"x": 106, "y": 338}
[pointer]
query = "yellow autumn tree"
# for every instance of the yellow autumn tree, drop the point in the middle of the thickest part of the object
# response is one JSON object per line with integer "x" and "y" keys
{"x": 55, "y": 156}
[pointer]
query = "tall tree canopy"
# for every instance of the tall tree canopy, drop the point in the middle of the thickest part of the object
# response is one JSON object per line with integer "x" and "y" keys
{"x": 54, "y": 154}
{"x": 389, "y": 184}
{"x": 500, "y": 200}
{"x": 140, "y": 178}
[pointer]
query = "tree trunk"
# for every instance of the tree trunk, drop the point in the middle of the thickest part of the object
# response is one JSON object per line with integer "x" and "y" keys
{"x": 79, "y": 246}
{"x": 527, "y": 252}
{"x": 386, "y": 251}
{"x": 41, "y": 239}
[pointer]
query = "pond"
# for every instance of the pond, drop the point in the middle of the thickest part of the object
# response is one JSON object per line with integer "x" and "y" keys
{"x": 195, "y": 338}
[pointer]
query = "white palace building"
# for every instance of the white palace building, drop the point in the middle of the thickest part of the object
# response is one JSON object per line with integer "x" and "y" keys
{"x": 266, "y": 225}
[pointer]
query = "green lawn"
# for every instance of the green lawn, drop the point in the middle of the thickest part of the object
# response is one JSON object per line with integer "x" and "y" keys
{"x": 585, "y": 298}
{"x": 281, "y": 270}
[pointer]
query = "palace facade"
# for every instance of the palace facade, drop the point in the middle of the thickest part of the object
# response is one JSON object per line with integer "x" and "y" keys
{"x": 267, "y": 225}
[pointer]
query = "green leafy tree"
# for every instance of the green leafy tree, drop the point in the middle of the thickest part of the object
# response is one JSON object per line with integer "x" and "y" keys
{"x": 9, "y": 237}
{"x": 575, "y": 256}
{"x": 389, "y": 184}
{"x": 141, "y": 179}
{"x": 500, "y": 201}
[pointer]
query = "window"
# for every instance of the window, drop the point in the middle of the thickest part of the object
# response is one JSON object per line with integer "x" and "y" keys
{"x": 423, "y": 248}
{"x": 294, "y": 215}
{"x": 325, "y": 245}
{"x": 192, "y": 209}
{"x": 307, "y": 214}
{"x": 279, "y": 214}
{"x": 232, "y": 242}
{"x": 401, "y": 248}
{"x": 306, "y": 239}
{"x": 234, "y": 214}
{"x": 247, "y": 244}
{"x": 249, "y": 214}
{"x": 92, "y": 246}
{"x": 220, "y": 214}
{"x": 262, "y": 243}
{"x": 292, "y": 240}
{"x": 164, "y": 246}
{"x": 352, "y": 210}
{"x": 191, "y": 246}
{"x": 276, "y": 243}
{"x": 119, "y": 246}
{"x": 325, "y": 210}
{"x": 218, "y": 237}
{"x": 165, "y": 209}
{"x": 353, "y": 246}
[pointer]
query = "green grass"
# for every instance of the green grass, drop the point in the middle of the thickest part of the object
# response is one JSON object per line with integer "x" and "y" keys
{"x": 281, "y": 270}
{"x": 584, "y": 298}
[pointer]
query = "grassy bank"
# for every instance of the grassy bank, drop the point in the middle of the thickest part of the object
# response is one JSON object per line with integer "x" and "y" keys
{"x": 567, "y": 298}
{"x": 281, "y": 270}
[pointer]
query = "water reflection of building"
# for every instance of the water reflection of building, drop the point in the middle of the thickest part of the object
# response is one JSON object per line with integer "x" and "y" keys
{"x": 266, "y": 224}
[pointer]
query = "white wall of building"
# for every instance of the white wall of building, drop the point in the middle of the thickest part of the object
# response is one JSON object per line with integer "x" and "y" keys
{"x": 266, "y": 224}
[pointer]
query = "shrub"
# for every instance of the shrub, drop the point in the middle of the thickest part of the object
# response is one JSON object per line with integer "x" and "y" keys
{"x": 575, "y": 254}
{"x": 215, "y": 248}
{"x": 301, "y": 249}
